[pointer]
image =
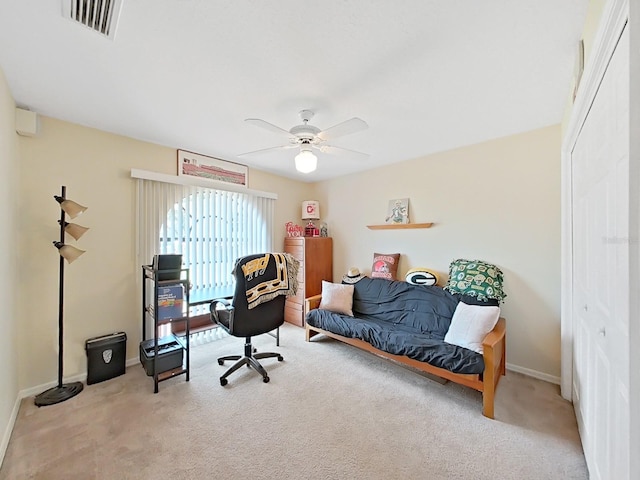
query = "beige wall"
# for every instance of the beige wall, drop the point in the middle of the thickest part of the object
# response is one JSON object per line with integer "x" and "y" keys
{"x": 8, "y": 235}
{"x": 497, "y": 201}
{"x": 513, "y": 221}
{"x": 101, "y": 288}
{"x": 591, "y": 24}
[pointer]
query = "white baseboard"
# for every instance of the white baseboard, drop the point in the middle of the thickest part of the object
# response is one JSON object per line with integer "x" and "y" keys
{"x": 534, "y": 373}
{"x": 81, "y": 377}
{"x": 7, "y": 431}
{"x": 133, "y": 361}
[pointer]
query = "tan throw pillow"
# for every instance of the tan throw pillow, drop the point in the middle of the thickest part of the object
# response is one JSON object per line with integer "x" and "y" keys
{"x": 337, "y": 298}
{"x": 470, "y": 324}
{"x": 385, "y": 265}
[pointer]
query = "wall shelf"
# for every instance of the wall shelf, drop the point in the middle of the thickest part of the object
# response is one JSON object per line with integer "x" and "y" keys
{"x": 395, "y": 226}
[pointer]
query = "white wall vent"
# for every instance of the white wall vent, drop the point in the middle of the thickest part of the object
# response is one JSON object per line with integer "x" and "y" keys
{"x": 99, "y": 15}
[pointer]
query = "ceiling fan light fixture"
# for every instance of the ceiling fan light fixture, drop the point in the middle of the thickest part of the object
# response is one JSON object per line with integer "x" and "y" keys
{"x": 306, "y": 161}
{"x": 306, "y": 137}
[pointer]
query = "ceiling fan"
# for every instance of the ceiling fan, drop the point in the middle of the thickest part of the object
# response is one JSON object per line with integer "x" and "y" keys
{"x": 307, "y": 137}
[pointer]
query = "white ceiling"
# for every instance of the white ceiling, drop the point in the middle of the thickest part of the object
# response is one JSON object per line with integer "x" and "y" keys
{"x": 426, "y": 75}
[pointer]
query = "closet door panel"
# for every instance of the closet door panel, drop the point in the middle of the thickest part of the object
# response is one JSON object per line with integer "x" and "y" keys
{"x": 601, "y": 243}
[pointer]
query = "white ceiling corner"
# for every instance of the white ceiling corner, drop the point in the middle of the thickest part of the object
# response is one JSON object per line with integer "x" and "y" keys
{"x": 426, "y": 75}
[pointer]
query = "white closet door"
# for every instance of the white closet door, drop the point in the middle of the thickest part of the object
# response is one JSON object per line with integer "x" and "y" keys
{"x": 600, "y": 190}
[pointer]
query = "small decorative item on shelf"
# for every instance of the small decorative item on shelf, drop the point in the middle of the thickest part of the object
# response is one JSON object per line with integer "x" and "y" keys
{"x": 294, "y": 230}
{"x": 398, "y": 211}
{"x": 311, "y": 211}
{"x": 324, "y": 232}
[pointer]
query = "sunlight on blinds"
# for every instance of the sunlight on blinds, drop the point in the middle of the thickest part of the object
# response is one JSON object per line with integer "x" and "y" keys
{"x": 211, "y": 228}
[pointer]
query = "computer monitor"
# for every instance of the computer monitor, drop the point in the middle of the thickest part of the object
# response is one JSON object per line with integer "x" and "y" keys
{"x": 171, "y": 262}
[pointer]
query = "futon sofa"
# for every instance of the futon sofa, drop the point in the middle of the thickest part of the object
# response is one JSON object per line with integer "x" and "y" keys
{"x": 409, "y": 324}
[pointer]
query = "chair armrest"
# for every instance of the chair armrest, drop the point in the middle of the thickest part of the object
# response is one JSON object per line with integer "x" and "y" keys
{"x": 496, "y": 335}
{"x": 225, "y": 301}
{"x": 228, "y": 310}
{"x": 312, "y": 303}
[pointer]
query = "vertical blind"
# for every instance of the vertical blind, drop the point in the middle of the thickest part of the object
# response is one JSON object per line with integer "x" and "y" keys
{"x": 211, "y": 228}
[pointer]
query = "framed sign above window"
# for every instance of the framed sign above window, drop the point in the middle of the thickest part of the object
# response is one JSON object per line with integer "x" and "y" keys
{"x": 196, "y": 165}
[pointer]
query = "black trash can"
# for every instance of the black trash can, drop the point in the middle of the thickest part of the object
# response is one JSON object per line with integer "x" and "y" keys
{"x": 106, "y": 357}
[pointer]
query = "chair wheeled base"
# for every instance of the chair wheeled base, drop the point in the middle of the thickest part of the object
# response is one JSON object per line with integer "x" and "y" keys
{"x": 250, "y": 359}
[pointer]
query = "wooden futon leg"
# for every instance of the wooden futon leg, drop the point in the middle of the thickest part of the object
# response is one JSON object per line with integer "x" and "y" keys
{"x": 494, "y": 353}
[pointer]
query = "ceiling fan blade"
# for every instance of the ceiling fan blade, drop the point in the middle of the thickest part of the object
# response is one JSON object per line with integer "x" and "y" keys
{"x": 269, "y": 126}
{"x": 267, "y": 150}
{"x": 341, "y": 151}
{"x": 347, "y": 127}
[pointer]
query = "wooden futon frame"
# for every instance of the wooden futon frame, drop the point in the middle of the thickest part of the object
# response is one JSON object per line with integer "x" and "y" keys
{"x": 494, "y": 347}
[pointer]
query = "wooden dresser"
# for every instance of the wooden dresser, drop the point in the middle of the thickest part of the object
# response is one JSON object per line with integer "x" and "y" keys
{"x": 316, "y": 264}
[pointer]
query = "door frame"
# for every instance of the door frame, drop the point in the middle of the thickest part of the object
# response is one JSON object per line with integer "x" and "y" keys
{"x": 617, "y": 15}
{"x": 614, "y": 19}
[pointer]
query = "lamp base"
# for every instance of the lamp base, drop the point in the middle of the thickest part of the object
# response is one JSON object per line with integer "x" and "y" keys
{"x": 309, "y": 230}
{"x": 58, "y": 394}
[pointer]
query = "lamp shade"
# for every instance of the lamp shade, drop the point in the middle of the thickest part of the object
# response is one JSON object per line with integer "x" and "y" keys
{"x": 70, "y": 207}
{"x": 68, "y": 252}
{"x": 310, "y": 210}
{"x": 306, "y": 161}
{"x": 75, "y": 230}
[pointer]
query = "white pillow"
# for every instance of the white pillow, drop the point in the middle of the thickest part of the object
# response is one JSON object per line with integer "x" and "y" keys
{"x": 470, "y": 324}
{"x": 337, "y": 298}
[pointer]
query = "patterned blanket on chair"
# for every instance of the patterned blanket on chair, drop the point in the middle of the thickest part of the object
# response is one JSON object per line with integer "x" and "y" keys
{"x": 268, "y": 276}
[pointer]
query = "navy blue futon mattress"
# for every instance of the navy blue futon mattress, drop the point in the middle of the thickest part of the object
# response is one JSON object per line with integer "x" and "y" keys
{"x": 403, "y": 319}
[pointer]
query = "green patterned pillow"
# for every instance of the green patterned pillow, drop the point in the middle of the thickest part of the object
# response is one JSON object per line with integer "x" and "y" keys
{"x": 476, "y": 278}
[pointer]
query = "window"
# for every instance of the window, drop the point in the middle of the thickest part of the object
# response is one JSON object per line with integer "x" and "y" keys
{"x": 211, "y": 228}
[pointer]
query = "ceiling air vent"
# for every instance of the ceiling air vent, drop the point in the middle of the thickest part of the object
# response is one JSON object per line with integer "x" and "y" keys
{"x": 99, "y": 15}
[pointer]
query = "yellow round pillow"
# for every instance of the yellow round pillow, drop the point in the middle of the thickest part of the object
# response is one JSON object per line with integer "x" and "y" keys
{"x": 421, "y": 276}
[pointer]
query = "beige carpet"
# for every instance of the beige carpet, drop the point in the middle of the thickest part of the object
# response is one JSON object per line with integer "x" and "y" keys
{"x": 329, "y": 412}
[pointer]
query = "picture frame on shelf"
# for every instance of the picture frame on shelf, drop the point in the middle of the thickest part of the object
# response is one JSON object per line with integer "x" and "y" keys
{"x": 210, "y": 168}
{"x": 578, "y": 68}
{"x": 398, "y": 211}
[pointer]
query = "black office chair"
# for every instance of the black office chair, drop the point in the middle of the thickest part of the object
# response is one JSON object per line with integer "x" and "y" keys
{"x": 261, "y": 312}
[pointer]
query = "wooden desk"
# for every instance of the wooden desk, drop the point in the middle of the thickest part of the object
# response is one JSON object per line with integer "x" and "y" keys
{"x": 207, "y": 295}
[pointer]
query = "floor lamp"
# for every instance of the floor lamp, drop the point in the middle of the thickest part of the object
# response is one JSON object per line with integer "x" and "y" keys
{"x": 64, "y": 391}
